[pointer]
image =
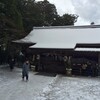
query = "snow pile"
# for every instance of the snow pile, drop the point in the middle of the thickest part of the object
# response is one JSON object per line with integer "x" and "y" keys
{"x": 48, "y": 89}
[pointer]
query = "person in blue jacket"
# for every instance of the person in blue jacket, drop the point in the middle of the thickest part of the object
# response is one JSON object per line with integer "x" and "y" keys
{"x": 25, "y": 70}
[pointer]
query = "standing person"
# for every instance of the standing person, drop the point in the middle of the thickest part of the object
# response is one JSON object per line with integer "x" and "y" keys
{"x": 25, "y": 70}
{"x": 11, "y": 62}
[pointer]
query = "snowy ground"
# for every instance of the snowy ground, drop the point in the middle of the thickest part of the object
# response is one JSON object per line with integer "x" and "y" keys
{"x": 40, "y": 87}
{"x": 13, "y": 88}
{"x": 71, "y": 88}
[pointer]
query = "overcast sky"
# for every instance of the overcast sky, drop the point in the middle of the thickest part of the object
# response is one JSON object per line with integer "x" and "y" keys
{"x": 87, "y": 10}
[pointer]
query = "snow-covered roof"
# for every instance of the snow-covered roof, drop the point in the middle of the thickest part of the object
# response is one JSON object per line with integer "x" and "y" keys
{"x": 63, "y": 37}
{"x": 22, "y": 41}
{"x": 88, "y": 49}
{"x": 53, "y": 45}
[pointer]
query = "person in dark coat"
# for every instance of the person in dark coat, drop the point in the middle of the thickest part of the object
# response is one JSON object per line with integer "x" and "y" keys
{"x": 11, "y": 62}
{"x": 25, "y": 70}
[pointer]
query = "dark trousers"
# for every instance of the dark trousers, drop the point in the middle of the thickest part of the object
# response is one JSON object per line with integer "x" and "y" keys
{"x": 25, "y": 75}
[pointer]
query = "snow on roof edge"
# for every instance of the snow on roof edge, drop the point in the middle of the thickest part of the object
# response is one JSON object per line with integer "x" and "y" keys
{"x": 88, "y": 49}
{"x": 70, "y": 26}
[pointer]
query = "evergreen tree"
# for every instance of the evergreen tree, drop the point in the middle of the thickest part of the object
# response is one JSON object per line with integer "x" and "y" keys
{"x": 18, "y": 17}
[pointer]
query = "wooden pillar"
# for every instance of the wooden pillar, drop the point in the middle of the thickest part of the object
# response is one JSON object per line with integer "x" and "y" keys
{"x": 99, "y": 64}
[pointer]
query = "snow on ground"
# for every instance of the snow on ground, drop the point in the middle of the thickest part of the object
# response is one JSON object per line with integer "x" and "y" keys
{"x": 72, "y": 88}
{"x": 45, "y": 87}
{"x": 13, "y": 88}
